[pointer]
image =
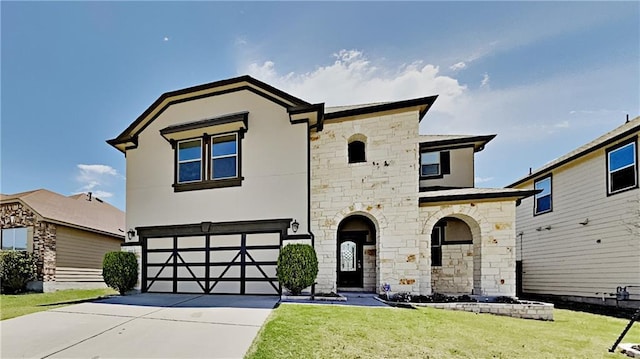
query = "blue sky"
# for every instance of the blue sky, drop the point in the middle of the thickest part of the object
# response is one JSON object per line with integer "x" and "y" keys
{"x": 547, "y": 77}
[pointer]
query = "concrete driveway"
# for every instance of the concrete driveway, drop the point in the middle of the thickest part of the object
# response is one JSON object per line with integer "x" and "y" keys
{"x": 140, "y": 326}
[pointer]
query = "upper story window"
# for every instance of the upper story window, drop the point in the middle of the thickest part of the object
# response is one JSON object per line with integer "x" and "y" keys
{"x": 190, "y": 161}
{"x": 224, "y": 156}
{"x": 622, "y": 168}
{"x": 434, "y": 164}
{"x": 357, "y": 149}
{"x": 208, "y": 162}
{"x": 543, "y": 200}
{"x": 208, "y": 152}
{"x": 14, "y": 239}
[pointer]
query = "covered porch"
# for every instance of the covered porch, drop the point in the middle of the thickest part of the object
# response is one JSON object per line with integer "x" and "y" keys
{"x": 470, "y": 236}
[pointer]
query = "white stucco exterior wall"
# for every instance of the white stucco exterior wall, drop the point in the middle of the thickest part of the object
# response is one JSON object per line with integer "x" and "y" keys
{"x": 273, "y": 162}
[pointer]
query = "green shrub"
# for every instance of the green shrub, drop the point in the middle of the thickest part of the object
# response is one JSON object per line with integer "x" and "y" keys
{"x": 16, "y": 269}
{"x": 297, "y": 267}
{"x": 120, "y": 271}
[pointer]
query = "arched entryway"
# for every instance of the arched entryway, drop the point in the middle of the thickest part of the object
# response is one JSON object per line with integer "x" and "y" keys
{"x": 452, "y": 256}
{"x": 356, "y": 253}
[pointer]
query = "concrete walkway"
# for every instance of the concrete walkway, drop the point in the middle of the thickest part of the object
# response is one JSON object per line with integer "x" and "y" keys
{"x": 357, "y": 299}
{"x": 140, "y": 326}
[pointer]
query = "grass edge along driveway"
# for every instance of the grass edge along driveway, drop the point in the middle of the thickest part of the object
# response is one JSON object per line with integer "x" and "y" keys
{"x": 325, "y": 331}
{"x": 15, "y": 305}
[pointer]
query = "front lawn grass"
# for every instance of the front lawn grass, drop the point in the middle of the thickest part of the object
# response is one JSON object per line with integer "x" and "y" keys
{"x": 15, "y": 305}
{"x": 324, "y": 331}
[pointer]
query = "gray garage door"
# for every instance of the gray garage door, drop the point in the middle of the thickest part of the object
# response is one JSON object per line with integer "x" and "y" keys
{"x": 235, "y": 263}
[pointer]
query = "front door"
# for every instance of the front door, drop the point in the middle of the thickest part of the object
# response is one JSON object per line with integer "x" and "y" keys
{"x": 350, "y": 259}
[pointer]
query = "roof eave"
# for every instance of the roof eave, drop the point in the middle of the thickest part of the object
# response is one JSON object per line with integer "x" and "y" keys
{"x": 545, "y": 169}
{"x": 424, "y": 103}
{"x": 506, "y": 195}
{"x": 478, "y": 142}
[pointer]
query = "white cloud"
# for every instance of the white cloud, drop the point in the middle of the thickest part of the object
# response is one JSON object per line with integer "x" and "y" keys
{"x": 482, "y": 179}
{"x": 353, "y": 79}
{"x": 485, "y": 80}
{"x": 458, "y": 66}
{"x": 102, "y": 194}
{"x": 93, "y": 178}
{"x": 165, "y": 39}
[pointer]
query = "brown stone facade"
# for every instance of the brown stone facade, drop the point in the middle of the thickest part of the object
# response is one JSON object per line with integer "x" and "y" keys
{"x": 43, "y": 243}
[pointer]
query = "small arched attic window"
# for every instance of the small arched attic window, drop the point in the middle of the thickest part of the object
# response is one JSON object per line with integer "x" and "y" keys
{"x": 357, "y": 148}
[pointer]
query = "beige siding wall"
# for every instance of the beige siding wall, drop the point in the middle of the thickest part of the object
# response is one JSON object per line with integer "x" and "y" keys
{"x": 573, "y": 259}
{"x": 461, "y": 170}
{"x": 81, "y": 249}
{"x": 273, "y": 164}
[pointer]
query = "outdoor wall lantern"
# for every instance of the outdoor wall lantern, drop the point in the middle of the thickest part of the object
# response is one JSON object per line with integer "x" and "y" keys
{"x": 294, "y": 226}
{"x": 131, "y": 233}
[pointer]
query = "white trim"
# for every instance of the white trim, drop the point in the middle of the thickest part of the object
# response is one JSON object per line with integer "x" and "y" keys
{"x": 633, "y": 164}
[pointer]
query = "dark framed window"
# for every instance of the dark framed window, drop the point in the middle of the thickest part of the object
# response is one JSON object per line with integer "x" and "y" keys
{"x": 436, "y": 246}
{"x": 543, "y": 201}
{"x": 622, "y": 167}
{"x": 357, "y": 152}
{"x": 208, "y": 162}
{"x": 434, "y": 164}
{"x": 14, "y": 239}
{"x": 189, "y": 161}
{"x": 224, "y": 156}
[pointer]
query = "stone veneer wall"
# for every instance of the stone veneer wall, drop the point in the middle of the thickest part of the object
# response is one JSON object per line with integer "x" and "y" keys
{"x": 524, "y": 310}
{"x": 455, "y": 276}
{"x": 492, "y": 224}
{"x": 384, "y": 189}
{"x": 44, "y": 237}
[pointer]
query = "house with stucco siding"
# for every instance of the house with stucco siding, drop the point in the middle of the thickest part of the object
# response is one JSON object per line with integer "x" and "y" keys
{"x": 222, "y": 175}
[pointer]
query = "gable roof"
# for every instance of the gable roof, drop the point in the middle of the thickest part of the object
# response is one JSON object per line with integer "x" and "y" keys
{"x": 449, "y": 141}
{"x": 78, "y": 211}
{"x": 610, "y": 137}
{"x": 128, "y": 138}
{"x": 298, "y": 109}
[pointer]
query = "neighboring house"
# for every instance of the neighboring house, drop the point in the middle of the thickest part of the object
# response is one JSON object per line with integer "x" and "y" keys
{"x": 67, "y": 235}
{"x": 221, "y": 176}
{"x": 579, "y": 238}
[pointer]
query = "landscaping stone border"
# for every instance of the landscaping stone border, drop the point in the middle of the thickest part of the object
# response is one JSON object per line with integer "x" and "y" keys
{"x": 524, "y": 309}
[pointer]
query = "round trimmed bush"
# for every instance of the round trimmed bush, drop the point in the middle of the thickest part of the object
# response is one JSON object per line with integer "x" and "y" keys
{"x": 297, "y": 267}
{"x": 17, "y": 268}
{"x": 120, "y": 271}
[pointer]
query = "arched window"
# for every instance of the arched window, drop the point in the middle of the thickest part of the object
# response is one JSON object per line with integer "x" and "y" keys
{"x": 356, "y": 149}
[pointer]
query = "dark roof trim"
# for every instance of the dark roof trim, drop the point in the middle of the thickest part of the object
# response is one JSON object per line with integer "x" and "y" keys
{"x": 422, "y": 101}
{"x": 234, "y": 117}
{"x": 472, "y": 196}
{"x": 459, "y": 141}
{"x": 127, "y": 134}
{"x": 606, "y": 143}
{"x": 318, "y": 108}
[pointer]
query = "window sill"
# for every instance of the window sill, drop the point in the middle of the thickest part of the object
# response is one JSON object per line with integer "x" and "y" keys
{"x": 438, "y": 176}
{"x": 542, "y": 212}
{"x": 229, "y": 182}
{"x": 622, "y": 190}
